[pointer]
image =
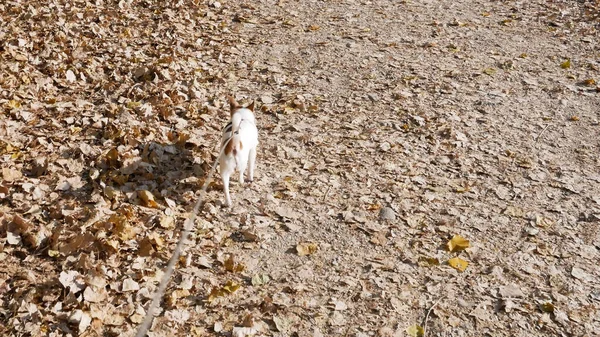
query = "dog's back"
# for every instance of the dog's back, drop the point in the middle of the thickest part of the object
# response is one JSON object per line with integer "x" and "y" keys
{"x": 240, "y": 138}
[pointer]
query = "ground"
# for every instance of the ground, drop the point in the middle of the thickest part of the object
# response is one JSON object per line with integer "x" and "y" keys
{"x": 425, "y": 167}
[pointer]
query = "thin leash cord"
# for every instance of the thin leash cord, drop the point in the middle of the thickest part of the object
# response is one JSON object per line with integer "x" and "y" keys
{"x": 187, "y": 227}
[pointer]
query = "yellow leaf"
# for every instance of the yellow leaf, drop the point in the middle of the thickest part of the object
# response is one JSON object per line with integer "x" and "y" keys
{"x": 14, "y": 104}
{"x": 147, "y": 199}
{"x": 373, "y": 207}
{"x": 306, "y": 248}
{"x": 566, "y": 64}
{"x": 133, "y": 105}
{"x": 53, "y": 253}
{"x": 229, "y": 288}
{"x": 415, "y": 331}
{"x": 523, "y": 55}
{"x": 574, "y": 118}
{"x": 489, "y": 71}
{"x": 458, "y": 264}
{"x": 429, "y": 261}
{"x": 314, "y": 27}
{"x": 458, "y": 243}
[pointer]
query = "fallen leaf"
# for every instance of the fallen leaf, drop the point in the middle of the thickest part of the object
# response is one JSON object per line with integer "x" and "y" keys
{"x": 82, "y": 319}
{"x": 510, "y": 291}
{"x": 489, "y": 71}
{"x": 166, "y": 221}
{"x": 415, "y": 331}
{"x": 458, "y": 243}
{"x": 260, "y": 279}
{"x": 11, "y": 174}
{"x": 306, "y": 248}
{"x": 70, "y": 76}
{"x": 429, "y": 261}
{"x": 147, "y": 199}
{"x": 243, "y": 331}
{"x": 547, "y": 307}
{"x": 458, "y": 264}
{"x": 229, "y": 288}
{"x": 72, "y": 279}
{"x": 566, "y": 64}
{"x": 233, "y": 267}
{"x": 590, "y": 82}
{"x": 281, "y": 324}
{"x": 130, "y": 285}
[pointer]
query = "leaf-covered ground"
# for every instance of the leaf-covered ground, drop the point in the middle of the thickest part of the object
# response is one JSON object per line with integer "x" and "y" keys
{"x": 400, "y": 143}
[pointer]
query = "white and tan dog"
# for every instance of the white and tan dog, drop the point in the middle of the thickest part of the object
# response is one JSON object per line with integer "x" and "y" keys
{"x": 241, "y": 137}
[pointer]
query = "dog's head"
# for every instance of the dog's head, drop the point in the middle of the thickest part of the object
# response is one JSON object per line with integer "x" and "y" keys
{"x": 235, "y": 106}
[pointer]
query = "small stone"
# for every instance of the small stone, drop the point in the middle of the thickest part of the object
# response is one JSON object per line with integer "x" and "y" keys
{"x": 387, "y": 213}
{"x": 373, "y": 97}
{"x": 216, "y": 4}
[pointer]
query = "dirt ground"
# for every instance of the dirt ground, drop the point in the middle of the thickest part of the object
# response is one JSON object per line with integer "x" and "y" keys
{"x": 386, "y": 129}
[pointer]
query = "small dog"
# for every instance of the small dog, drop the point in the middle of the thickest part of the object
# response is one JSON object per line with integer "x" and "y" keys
{"x": 240, "y": 138}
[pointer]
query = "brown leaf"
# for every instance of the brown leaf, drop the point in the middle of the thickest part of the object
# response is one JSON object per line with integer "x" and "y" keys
{"x": 147, "y": 199}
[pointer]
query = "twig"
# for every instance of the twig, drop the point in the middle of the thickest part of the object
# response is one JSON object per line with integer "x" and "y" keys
{"x": 187, "y": 227}
{"x": 326, "y": 192}
{"x": 540, "y": 134}
{"x": 427, "y": 316}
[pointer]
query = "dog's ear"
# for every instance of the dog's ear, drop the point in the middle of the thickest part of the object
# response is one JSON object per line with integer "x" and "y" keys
{"x": 233, "y": 104}
{"x": 251, "y": 106}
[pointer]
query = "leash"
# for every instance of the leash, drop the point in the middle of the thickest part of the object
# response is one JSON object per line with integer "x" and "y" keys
{"x": 187, "y": 227}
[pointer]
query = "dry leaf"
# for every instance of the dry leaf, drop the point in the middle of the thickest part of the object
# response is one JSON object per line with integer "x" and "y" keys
{"x": 566, "y": 64}
{"x": 457, "y": 243}
{"x": 260, "y": 279}
{"x": 415, "y": 331}
{"x": 229, "y": 288}
{"x": 306, "y": 248}
{"x": 70, "y": 76}
{"x": 233, "y": 267}
{"x": 11, "y": 175}
{"x": 147, "y": 199}
{"x": 130, "y": 285}
{"x": 489, "y": 71}
{"x": 458, "y": 264}
{"x": 429, "y": 261}
{"x": 547, "y": 307}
